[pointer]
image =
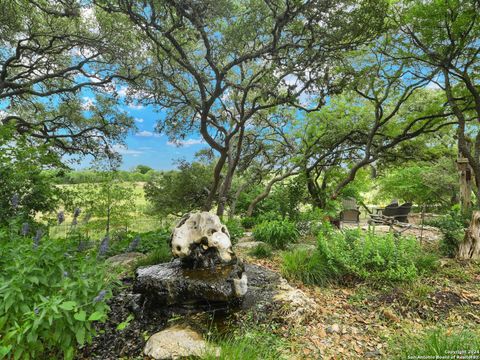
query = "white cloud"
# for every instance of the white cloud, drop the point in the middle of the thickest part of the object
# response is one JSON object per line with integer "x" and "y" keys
{"x": 122, "y": 91}
{"x": 139, "y": 120}
{"x": 123, "y": 150}
{"x": 145, "y": 133}
{"x": 87, "y": 103}
{"x": 135, "y": 106}
{"x": 88, "y": 17}
{"x": 433, "y": 86}
{"x": 185, "y": 143}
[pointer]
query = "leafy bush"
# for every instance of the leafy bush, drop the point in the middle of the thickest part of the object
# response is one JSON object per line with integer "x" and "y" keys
{"x": 452, "y": 226}
{"x": 50, "y": 294}
{"x": 277, "y": 233}
{"x": 157, "y": 256}
{"x": 304, "y": 266}
{"x": 261, "y": 251}
{"x": 235, "y": 229}
{"x": 440, "y": 344}
{"x": 152, "y": 241}
{"x": 373, "y": 257}
{"x": 248, "y": 222}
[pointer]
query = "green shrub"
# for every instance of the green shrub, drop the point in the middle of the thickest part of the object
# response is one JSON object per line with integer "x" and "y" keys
{"x": 304, "y": 266}
{"x": 157, "y": 256}
{"x": 452, "y": 226}
{"x": 261, "y": 251}
{"x": 440, "y": 344}
{"x": 277, "y": 233}
{"x": 50, "y": 294}
{"x": 248, "y": 222}
{"x": 148, "y": 242}
{"x": 373, "y": 257}
{"x": 235, "y": 229}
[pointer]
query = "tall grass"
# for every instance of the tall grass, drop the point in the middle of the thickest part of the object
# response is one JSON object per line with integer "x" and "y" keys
{"x": 250, "y": 345}
{"x": 440, "y": 344}
{"x": 277, "y": 233}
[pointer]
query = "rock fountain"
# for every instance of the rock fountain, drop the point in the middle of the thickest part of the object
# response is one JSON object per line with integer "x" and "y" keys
{"x": 205, "y": 282}
{"x": 205, "y": 270}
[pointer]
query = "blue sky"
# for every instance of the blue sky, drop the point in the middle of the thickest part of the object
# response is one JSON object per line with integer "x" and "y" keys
{"x": 145, "y": 146}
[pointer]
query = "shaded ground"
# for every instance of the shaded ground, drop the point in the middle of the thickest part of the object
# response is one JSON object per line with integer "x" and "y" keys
{"x": 361, "y": 321}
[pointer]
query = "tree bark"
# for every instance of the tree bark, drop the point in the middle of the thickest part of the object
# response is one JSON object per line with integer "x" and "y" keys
{"x": 233, "y": 205}
{"x": 207, "y": 206}
{"x": 469, "y": 249}
{"x": 267, "y": 190}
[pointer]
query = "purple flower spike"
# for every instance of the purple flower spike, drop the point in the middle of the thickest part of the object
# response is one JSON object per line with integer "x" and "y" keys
{"x": 37, "y": 237}
{"x": 15, "y": 201}
{"x": 60, "y": 217}
{"x": 134, "y": 244}
{"x": 25, "y": 229}
{"x": 76, "y": 212}
{"x": 100, "y": 296}
{"x": 104, "y": 246}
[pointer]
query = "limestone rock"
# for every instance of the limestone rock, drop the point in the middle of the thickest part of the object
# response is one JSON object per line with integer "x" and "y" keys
{"x": 125, "y": 259}
{"x": 248, "y": 245}
{"x": 176, "y": 342}
{"x": 174, "y": 283}
{"x": 297, "y": 306}
{"x": 201, "y": 236}
{"x": 246, "y": 238}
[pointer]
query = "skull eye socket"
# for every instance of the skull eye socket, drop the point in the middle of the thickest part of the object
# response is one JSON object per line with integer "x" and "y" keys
{"x": 211, "y": 231}
{"x": 204, "y": 240}
{"x": 179, "y": 248}
{"x": 224, "y": 230}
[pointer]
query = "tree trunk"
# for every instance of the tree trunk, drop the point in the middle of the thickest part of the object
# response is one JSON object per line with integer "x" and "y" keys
{"x": 317, "y": 193}
{"x": 267, "y": 190}
{"x": 233, "y": 205}
{"x": 207, "y": 206}
{"x": 469, "y": 249}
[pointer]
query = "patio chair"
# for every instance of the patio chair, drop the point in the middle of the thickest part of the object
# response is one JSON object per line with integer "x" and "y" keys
{"x": 393, "y": 213}
{"x": 350, "y": 212}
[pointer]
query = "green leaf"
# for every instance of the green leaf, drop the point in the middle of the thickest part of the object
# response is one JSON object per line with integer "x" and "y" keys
{"x": 67, "y": 305}
{"x": 80, "y": 316}
{"x": 80, "y": 335}
{"x": 97, "y": 315}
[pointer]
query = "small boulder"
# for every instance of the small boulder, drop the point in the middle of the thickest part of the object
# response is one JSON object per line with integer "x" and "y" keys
{"x": 176, "y": 342}
{"x": 297, "y": 306}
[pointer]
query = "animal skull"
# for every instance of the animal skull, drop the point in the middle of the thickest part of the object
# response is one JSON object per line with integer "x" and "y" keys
{"x": 204, "y": 229}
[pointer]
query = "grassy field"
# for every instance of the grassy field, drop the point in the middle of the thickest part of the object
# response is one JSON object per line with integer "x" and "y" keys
{"x": 138, "y": 220}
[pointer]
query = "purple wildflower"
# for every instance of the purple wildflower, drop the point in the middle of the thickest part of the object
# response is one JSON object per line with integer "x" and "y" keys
{"x": 15, "y": 201}
{"x": 82, "y": 245}
{"x": 134, "y": 244}
{"x": 37, "y": 237}
{"x": 104, "y": 246}
{"x": 25, "y": 229}
{"x": 100, "y": 296}
{"x": 60, "y": 217}
{"x": 76, "y": 212}
{"x": 36, "y": 311}
{"x": 65, "y": 274}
